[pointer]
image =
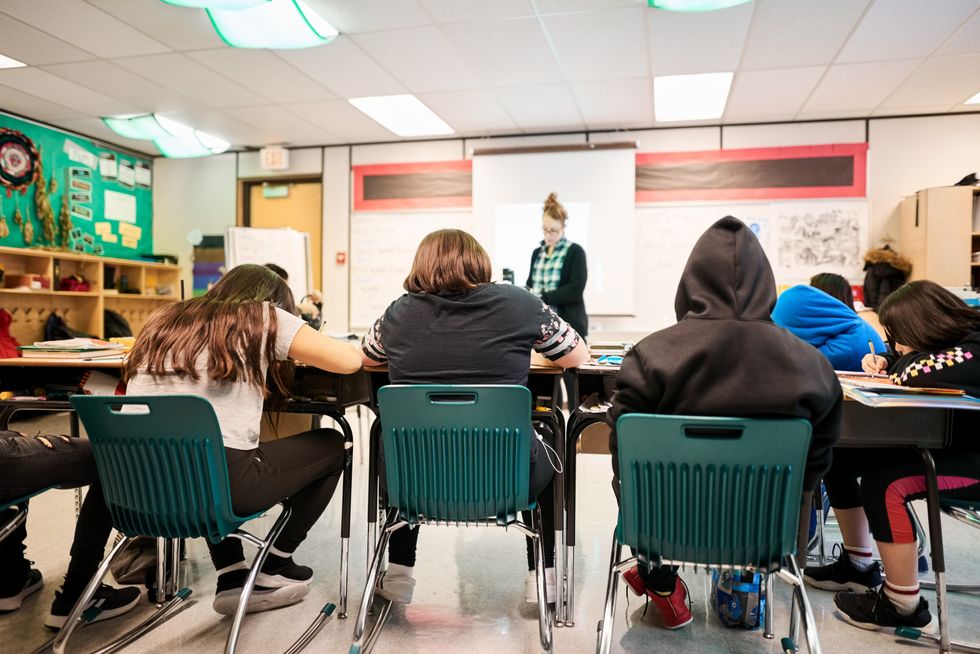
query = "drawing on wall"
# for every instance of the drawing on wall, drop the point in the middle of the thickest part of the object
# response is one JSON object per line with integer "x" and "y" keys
{"x": 818, "y": 236}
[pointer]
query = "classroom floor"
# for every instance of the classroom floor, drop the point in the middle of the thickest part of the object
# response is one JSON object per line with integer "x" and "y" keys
{"x": 469, "y": 596}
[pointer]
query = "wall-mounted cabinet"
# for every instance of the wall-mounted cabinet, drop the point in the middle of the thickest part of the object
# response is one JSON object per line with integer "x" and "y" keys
{"x": 937, "y": 235}
{"x": 37, "y": 283}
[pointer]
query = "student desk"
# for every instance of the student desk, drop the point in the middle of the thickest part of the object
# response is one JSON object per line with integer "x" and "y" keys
{"x": 923, "y": 428}
{"x": 315, "y": 392}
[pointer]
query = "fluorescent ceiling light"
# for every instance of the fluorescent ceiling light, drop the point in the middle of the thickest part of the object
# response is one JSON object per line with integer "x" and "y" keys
{"x": 276, "y": 24}
{"x": 405, "y": 115}
{"x": 174, "y": 139}
{"x": 693, "y": 5}
{"x": 9, "y": 62}
{"x": 974, "y": 100}
{"x": 690, "y": 97}
{"x": 215, "y": 4}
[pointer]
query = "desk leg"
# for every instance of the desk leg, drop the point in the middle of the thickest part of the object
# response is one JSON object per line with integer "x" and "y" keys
{"x": 575, "y": 427}
{"x": 74, "y": 432}
{"x": 372, "y": 495}
{"x": 341, "y": 420}
{"x": 557, "y": 427}
{"x": 936, "y": 547}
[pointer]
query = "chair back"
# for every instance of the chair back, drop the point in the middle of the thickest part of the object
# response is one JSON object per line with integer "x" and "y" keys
{"x": 161, "y": 461}
{"x": 457, "y": 453}
{"x": 719, "y": 492}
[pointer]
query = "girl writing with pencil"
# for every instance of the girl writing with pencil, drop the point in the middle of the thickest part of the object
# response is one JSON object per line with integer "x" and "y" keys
{"x": 227, "y": 346}
{"x": 936, "y": 337}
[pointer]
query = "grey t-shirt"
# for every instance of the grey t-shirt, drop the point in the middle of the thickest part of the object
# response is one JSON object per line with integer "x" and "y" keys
{"x": 238, "y": 405}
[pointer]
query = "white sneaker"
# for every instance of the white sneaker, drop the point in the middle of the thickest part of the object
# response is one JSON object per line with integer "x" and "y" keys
{"x": 261, "y": 599}
{"x": 531, "y": 586}
{"x": 396, "y": 584}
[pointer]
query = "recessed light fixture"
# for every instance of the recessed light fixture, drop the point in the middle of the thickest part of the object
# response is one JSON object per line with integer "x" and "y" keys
{"x": 275, "y": 24}
{"x": 10, "y": 62}
{"x": 215, "y": 4}
{"x": 693, "y": 5}
{"x": 974, "y": 100}
{"x": 690, "y": 97}
{"x": 405, "y": 115}
{"x": 172, "y": 138}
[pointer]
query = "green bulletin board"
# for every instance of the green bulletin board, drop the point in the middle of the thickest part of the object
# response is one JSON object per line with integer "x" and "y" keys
{"x": 101, "y": 200}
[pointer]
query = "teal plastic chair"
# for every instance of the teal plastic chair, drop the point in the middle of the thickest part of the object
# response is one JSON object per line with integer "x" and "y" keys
{"x": 17, "y": 509}
{"x": 161, "y": 461}
{"x": 715, "y": 493}
{"x": 455, "y": 456}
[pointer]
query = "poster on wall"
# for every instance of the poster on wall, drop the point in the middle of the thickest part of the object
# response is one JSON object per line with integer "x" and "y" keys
{"x": 58, "y": 190}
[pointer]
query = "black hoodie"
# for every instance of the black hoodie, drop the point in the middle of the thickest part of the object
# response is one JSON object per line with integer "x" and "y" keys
{"x": 725, "y": 356}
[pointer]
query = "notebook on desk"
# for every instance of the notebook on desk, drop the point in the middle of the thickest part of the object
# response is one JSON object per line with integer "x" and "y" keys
{"x": 890, "y": 398}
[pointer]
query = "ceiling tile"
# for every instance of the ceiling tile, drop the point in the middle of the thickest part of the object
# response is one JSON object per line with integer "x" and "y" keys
{"x": 541, "y": 108}
{"x": 966, "y": 40}
{"x": 771, "y": 94}
{"x": 565, "y": 6}
{"x": 711, "y": 42}
{"x": 32, "y": 46}
{"x": 462, "y": 11}
{"x": 600, "y": 44}
{"x": 899, "y": 29}
{"x": 506, "y": 52}
{"x": 341, "y": 119}
{"x": 84, "y": 26}
{"x": 107, "y": 78}
{"x": 790, "y": 34}
{"x": 858, "y": 87}
{"x": 275, "y": 124}
{"x": 219, "y": 123}
{"x": 356, "y": 16}
{"x": 55, "y": 89}
{"x": 96, "y": 129}
{"x": 181, "y": 28}
{"x": 344, "y": 68}
{"x": 469, "y": 112}
{"x": 615, "y": 104}
{"x": 31, "y": 106}
{"x": 264, "y": 73}
{"x": 182, "y": 74}
{"x": 939, "y": 81}
{"x": 421, "y": 58}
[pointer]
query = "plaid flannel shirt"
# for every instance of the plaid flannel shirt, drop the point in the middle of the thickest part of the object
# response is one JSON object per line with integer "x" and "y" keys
{"x": 546, "y": 275}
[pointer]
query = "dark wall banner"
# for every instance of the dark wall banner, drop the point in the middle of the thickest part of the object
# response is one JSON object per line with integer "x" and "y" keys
{"x": 816, "y": 171}
{"x": 392, "y": 187}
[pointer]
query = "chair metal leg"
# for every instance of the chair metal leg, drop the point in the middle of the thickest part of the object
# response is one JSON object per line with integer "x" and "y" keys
{"x": 20, "y": 515}
{"x": 362, "y": 643}
{"x": 822, "y": 551}
{"x": 253, "y": 574}
{"x": 162, "y": 615}
{"x": 307, "y": 636}
{"x": 917, "y": 634}
{"x": 174, "y": 581}
{"x": 570, "y": 586}
{"x": 544, "y": 611}
{"x": 160, "y": 593}
{"x": 768, "y": 619}
{"x": 605, "y": 628}
{"x": 805, "y": 612}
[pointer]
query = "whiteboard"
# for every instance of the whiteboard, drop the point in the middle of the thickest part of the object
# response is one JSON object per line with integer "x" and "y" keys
{"x": 598, "y": 188}
{"x": 382, "y": 248}
{"x": 799, "y": 238}
{"x": 284, "y": 247}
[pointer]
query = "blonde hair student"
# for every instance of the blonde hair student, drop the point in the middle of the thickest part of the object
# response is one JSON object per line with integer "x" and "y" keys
{"x": 231, "y": 346}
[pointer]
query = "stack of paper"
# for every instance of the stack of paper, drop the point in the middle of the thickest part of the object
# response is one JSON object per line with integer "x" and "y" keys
{"x": 72, "y": 348}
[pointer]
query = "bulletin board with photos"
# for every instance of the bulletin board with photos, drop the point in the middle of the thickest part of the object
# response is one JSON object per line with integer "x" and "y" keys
{"x": 62, "y": 191}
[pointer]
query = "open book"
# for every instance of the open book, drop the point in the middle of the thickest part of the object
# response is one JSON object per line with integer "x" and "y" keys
{"x": 879, "y": 384}
{"x": 890, "y": 398}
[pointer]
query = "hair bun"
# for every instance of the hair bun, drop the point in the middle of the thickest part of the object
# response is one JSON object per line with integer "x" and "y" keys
{"x": 552, "y": 200}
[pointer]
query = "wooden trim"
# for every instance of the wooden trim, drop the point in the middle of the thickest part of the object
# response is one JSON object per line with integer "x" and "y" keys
{"x": 576, "y": 147}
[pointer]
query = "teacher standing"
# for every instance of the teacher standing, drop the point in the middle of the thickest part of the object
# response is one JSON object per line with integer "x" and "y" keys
{"x": 559, "y": 272}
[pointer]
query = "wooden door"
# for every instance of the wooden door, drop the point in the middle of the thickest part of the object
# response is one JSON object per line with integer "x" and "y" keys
{"x": 301, "y": 208}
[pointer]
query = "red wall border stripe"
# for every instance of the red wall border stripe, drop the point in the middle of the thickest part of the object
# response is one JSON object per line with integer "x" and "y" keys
{"x": 360, "y": 172}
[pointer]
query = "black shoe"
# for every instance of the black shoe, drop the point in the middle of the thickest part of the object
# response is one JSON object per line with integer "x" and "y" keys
{"x": 277, "y": 572}
{"x": 873, "y": 610}
{"x": 113, "y": 602}
{"x": 231, "y": 584}
{"x": 842, "y": 575}
{"x": 11, "y": 600}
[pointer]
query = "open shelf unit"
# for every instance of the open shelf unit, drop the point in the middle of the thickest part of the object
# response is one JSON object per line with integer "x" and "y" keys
{"x": 148, "y": 286}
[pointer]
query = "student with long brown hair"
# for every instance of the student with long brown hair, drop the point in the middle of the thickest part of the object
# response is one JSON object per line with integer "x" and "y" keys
{"x": 936, "y": 338}
{"x": 455, "y": 327}
{"x": 230, "y": 346}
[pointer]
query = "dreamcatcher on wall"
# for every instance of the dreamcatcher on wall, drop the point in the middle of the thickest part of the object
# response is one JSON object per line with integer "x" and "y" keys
{"x": 19, "y": 168}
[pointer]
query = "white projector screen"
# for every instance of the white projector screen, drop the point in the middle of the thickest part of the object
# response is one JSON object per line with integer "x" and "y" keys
{"x": 597, "y": 188}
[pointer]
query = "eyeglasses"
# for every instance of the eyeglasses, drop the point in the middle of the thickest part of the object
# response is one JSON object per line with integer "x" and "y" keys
{"x": 548, "y": 230}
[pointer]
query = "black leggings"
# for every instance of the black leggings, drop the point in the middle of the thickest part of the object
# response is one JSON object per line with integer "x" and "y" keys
{"x": 890, "y": 478}
{"x": 301, "y": 471}
{"x": 28, "y": 464}
{"x": 404, "y": 542}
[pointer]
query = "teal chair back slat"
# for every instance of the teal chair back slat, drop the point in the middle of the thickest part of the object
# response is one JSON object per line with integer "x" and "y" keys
{"x": 457, "y": 453}
{"x": 712, "y": 491}
{"x": 161, "y": 461}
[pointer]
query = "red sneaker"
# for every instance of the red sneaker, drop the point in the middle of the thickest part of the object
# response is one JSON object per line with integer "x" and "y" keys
{"x": 674, "y": 610}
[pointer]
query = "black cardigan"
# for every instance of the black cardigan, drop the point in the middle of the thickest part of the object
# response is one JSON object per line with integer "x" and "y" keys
{"x": 567, "y": 300}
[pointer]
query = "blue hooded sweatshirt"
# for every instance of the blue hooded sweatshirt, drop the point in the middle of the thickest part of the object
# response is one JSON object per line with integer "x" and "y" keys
{"x": 827, "y": 324}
